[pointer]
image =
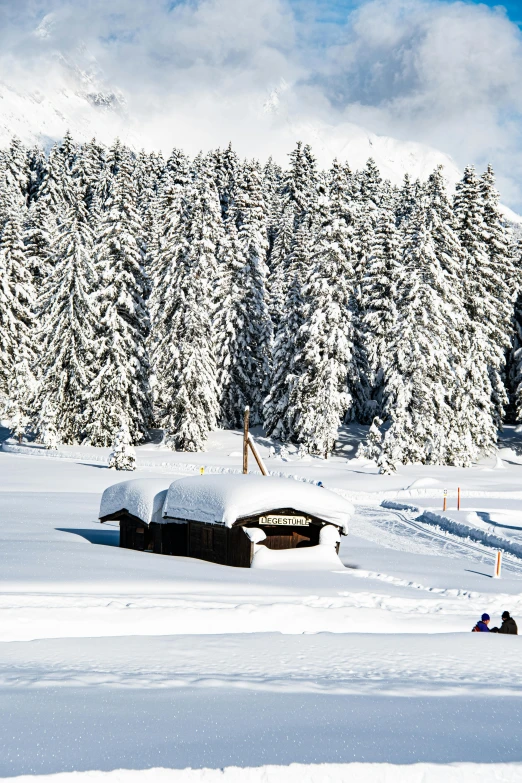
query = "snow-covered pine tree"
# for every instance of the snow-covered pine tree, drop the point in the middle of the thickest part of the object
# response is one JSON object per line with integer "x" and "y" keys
{"x": 378, "y": 298}
{"x": 14, "y": 181}
{"x": 344, "y": 208}
{"x": 514, "y": 372}
{"x": 148, "y": 172}
{"x": 272, "y": 174}
{"x": 67, "y": 321}
{"x": 20, "y": 393}
{"x": 483, "y": 280}
{"x": 184, "y": 347}
{"x": 163, "y": 215}
{"x": 226, "y": 170}
{"x": 418, "y": 378}
{"x": 405, "y": 200}
{"x": 299, "y": 192}
{"x": 56, "y": 192}
{"x": 16, "y": 313}
{"x": 275, "y": 407}
{"x": 365, "y": 192}
{"x": 161, "y": 225}
{"x": 123, "y": 455}
{"x": 465, "y": 426}
{"x": 319, "y": 397}
{"x": 39, "y": 232}
{"x": 37, "y": 165}
{"x": 69, "y": 151}
{"x": 119, "y": 391}
{"x": 88, "y": 167}
{"x": 228, "y": 323}
{"x": 46, "y": 426}
{"x": 110, "y": 171}
{"x": 178, "y": 167}
{"x": 16, "y": 172}
{"x": 497, "y": 239}
{"x": 244, "y": 333}
{"x": 277, "y": 416}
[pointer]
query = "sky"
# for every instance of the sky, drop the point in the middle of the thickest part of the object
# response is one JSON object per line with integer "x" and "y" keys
{"x": 197, "y": 73}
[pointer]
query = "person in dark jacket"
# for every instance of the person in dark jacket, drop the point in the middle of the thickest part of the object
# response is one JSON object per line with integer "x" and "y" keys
{"x": 482, "y": 625}
{"x": 508, "y": 625}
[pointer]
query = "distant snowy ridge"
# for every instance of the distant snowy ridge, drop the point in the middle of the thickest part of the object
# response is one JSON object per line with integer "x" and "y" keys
{"x": 84, "y": 104}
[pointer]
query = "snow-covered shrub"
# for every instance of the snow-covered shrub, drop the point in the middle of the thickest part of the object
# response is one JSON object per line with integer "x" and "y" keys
{"x": 123, "y": 455}
{"x": 50, "y": 438}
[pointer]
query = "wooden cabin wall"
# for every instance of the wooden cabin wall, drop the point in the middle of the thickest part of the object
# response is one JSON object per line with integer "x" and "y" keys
{"x": 219, "y": 544}
{"x": 213, "y": 543}
{"x": 171, "y": 539}
{"x": 208, "y": 542}
{"x": 240, "y": 548}
{"x": 135, "y": 534}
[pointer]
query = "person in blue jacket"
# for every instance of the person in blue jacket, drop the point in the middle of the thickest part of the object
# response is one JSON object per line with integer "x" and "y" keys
{"x": 482, "y": 624}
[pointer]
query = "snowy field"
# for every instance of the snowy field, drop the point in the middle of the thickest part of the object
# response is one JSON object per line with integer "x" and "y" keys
{"x": 150, "y": 668}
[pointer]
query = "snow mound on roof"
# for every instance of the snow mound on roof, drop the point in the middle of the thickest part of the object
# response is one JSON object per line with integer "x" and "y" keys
{"x": 143, "y": 498}
{"x": 223, "y": 499}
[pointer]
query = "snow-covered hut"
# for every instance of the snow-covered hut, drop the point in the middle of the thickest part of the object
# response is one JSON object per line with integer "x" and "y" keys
{"x": 224, "y": 518}
{"x": 138, "y": 506}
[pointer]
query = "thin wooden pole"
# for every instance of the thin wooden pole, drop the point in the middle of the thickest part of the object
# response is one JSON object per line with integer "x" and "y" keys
{"x": 458, "y": 499}
{"x": 257, "y": 456}
{"x": 444, "y": 502}
{"x": 245, "y": 439}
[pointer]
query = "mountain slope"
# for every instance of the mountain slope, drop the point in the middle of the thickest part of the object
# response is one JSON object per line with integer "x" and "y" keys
{"x": 75, "y": 96}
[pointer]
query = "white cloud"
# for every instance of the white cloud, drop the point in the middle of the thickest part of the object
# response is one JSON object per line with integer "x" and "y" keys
{"x": 447, "y": 74}
{"x": 198, "y": 73}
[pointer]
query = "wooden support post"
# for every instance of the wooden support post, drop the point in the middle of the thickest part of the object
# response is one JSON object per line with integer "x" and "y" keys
{"x": 257, "y": 456}
{"x": 245, "y": 439}
{"x": 458, "y": 499}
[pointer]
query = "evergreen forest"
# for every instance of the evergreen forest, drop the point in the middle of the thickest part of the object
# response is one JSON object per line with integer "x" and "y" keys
{"x": 140, "y": 292}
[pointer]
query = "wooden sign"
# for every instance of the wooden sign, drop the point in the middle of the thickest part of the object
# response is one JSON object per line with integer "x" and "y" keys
{"x": 280, "y": 519}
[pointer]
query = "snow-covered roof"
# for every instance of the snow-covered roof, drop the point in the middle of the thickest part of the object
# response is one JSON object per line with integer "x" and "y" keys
{"x": 143, "y": 498}
{"x": 222, "y": 499}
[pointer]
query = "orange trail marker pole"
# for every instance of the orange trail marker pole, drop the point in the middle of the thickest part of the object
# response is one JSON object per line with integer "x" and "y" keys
{"x": 458, "y": 499}
{"x": 445, "y": 499}
{"x": 498, "y": 565}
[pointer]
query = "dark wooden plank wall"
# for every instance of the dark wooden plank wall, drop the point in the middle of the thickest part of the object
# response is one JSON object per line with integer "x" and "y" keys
{"x": 170, "y": 539}
{"x": 240, "y": 548}
{"x": 135, "y": 534}
{"x": 208, "y": 542}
